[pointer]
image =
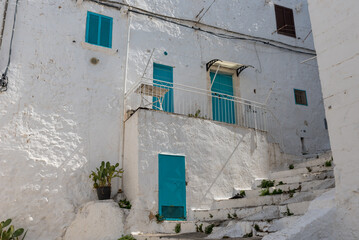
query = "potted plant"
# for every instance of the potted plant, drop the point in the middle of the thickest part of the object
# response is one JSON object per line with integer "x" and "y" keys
{"x": 102, "y": 179}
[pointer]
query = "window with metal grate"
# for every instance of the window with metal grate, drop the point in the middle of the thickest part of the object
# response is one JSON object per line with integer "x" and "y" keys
{"x": 300, "y": 97}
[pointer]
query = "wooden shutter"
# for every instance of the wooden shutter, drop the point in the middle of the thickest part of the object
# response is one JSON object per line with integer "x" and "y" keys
{"x": 285, "y": 21}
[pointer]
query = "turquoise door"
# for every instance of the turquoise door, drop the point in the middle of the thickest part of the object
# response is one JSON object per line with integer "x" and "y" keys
{"x": 172, "y": 187}
{"x": 165, "y": 75}
{"x": 222, "y": 91}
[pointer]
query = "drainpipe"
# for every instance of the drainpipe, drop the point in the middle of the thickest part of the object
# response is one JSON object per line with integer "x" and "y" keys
{"x": 124, "y": 91}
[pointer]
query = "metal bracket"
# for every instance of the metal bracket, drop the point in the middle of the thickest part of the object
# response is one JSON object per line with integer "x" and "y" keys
{"x": 210, "y": 63}
{"x": 241, "y": 68}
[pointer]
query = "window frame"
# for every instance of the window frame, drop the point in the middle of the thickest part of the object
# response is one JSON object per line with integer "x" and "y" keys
{"x": 283, "y": 30}
{"x": 305, "y": 94}
{"x": 99, "y": 29}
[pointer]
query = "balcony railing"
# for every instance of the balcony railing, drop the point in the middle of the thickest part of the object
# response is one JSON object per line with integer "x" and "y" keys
{"x": 200, "y": 103}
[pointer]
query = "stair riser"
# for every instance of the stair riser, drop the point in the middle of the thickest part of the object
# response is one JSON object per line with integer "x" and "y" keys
{"x": 299, "y": 171}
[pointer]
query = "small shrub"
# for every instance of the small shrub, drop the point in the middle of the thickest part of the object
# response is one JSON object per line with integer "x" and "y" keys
{"x": 328, "y": 163}
{"x": 209, "y": 229}
{"x": 291, "y": 166}
{"x": 199, "y": 228}
{"x": 178, "y": 228}
{"x": 280, "y": 183}
{"x": 124, "y": 203}
{"x": 248, "y": 235}
{"x": 288, "y": 212}
{"x": 266, "y": 183}
{"x": 159, "y": 218}
{"x": 10, "y": 233}
{"x": 291, "y": 195}
{"x": 257, "y": 228}
{"x": 127, "y": 237}
{"x": 242, "y": 193}
{"x": 210, "y": 215}
{"x": 265, "y": 192}
{"x": 276, "y": 191}
{"x": 234, "y": 215}
{"x": 229, "y": 216}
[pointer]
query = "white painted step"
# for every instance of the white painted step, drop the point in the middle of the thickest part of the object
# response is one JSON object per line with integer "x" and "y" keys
{"x": 251, "y": 213}
{"x": 314, "y": 161}
{"x": 306, "y": 177}
{"x": 298, "y": 171}
{"x": 168, "y": 227}
{"x": 266, "y": 200}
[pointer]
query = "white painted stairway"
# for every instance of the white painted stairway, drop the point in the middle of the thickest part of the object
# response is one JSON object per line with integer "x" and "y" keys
{"x": 256, "y": 216}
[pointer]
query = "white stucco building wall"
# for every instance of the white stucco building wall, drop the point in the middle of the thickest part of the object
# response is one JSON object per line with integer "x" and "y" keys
{"x": 335, "y": 30}
{"x": 218, "y": 158}
{"x": 62, "y": 115}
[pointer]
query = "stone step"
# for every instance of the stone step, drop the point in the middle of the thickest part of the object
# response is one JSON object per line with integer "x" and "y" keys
{"x": 314, "y": 161}
{"x": 168, "y": 227}
{"x": 184, "y": 236}
{"x": 305, "y": 177}
{"x": 251, "y": 213}
{"x": 299, "y": 171}
{"x": 304, "y": 186}
{"x": 265, "y": 200}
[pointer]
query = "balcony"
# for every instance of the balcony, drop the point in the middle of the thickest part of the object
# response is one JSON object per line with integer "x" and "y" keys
{"x": 204, "y": 104}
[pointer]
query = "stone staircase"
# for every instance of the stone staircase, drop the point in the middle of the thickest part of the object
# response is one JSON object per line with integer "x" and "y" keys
{"x": 255, "y": 216}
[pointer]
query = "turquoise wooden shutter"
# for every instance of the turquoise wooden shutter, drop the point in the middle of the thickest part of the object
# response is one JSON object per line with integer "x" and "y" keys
{"x": 99, "y": 30}
{"x": 106, "y": 32}
{"x": 93, "y": 23}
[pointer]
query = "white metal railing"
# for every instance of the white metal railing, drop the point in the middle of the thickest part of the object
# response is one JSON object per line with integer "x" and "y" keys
{"x": 195, "y": 102}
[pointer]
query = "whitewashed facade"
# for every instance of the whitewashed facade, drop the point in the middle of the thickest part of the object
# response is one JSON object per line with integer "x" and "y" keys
{"x": 335, "y": 30}
{"x": 64, "y": 109}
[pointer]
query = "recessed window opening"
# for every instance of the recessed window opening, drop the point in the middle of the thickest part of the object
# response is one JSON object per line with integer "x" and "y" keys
{"x": 285, "y": 21}
{"x": 300, "y": 97}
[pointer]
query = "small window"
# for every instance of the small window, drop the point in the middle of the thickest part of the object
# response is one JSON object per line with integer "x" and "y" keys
{"x": 285, "y": 21}
{"x": 300, "y": 97}
{"x": 99, "y": 30}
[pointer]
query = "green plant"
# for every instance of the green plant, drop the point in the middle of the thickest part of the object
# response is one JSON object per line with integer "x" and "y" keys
{"x": 328, "y": 163}
{"x": 210, "y": 215}
{"x": 10, "y": 233}
{"x": 242, "y": 193}
{"x": 276, "y": 191}
{"x": 266, "y": 183}
{"x": 199, "y": 228}
{"x": 309, "y": 169}
{"x": 229, "y": 216}
{"x": 291, "y": 166}
{"x": 127, "y": 237}
{"x": 234, "y": 215}
{"x": 103, "y": 175}
{"x": 209, "y": 229}
{"x": 265, "y": 192}
{"x": 288, "y": 212}
{"x": 197, "y": 114}
{"x": 178, "y": 228}
{"x": 280, "y": 183}
{"x": 159, "y": 218}
{"x": 248, "y": 235}
{"x": 124, "y": 203}
{"x": 257, "y": 228}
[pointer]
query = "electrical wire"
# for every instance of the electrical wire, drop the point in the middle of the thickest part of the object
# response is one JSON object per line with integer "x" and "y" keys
{"x": 4, "y": 78}
{"x": 177, "y": 21}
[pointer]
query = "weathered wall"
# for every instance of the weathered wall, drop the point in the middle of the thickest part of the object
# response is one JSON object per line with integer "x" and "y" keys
{"x": 218, "y": 158}
{"x": 280, "y": 69}
{"x": 60, "y": 116}
{"x": 335, "y": 29}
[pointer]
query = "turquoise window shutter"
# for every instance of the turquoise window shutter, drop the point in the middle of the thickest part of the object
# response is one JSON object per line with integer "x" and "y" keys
{"x": 99, "y": 30}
